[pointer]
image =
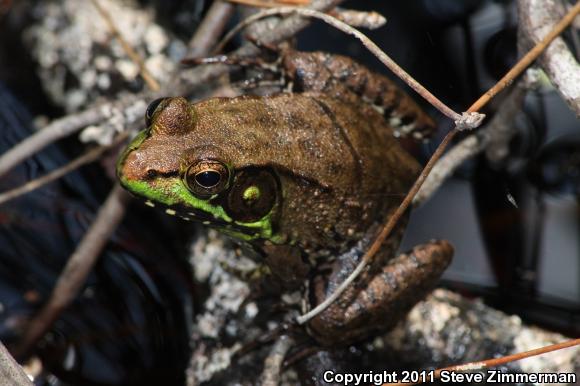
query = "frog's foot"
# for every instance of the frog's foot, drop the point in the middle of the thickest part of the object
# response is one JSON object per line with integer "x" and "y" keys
{"x": 376, "y": 302}
{"x": 256, "y": 71}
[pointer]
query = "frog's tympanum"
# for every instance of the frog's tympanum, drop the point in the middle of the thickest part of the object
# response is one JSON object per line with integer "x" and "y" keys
{"x": 304, "y": 177}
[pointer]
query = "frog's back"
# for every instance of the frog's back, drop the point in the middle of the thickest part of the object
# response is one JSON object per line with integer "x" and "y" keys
{"x": 337, "y": 159}
{"x": 321, "y": 139}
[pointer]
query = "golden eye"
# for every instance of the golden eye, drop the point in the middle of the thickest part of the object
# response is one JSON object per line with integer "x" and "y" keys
{"x": 206, "y": 178}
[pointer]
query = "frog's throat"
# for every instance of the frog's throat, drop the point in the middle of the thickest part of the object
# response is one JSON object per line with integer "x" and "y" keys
{"x": 172, "y": 193}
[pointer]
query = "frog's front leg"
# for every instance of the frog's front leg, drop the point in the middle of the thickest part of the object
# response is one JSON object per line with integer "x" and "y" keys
{"x": 379, "y": 299}
{"x": 345, "y": 79}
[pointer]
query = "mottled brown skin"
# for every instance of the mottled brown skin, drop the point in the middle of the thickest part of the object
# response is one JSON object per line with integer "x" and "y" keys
{"x": 342, "y": 78}
{"x": 336, "y": 173}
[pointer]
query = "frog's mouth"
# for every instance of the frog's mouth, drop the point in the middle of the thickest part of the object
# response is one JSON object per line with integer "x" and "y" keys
{"x": 194, "y": 214}
{"x": 177, "y": 201}
{"x": 169, "y": 191}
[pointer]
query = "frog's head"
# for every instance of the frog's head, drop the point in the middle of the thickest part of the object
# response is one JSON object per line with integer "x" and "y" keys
{"x": 183, "y": 166}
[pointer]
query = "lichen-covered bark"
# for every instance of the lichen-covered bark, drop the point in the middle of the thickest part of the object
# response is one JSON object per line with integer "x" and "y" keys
{"x": 536, "y": 19}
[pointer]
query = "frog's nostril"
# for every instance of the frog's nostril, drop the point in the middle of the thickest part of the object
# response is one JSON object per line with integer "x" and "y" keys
{"x": 150, "y": 174}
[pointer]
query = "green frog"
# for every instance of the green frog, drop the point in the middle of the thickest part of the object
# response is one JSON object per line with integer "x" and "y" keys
{"x": 305, "y": 177}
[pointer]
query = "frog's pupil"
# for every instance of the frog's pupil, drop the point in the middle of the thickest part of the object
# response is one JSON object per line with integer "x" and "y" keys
{"x": 208, "y": 178}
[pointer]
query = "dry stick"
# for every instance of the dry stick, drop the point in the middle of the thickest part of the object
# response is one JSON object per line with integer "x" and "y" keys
{"x": 302, "y": 354}
{"x": 501, "y": 84}
{"x": 145, "y": 74}
{"x": 269, "y": 4}
{"x": 89, "y": 156}
{"x": 537, "y": 17}
{"x": 273, "y": 363}
{"x": 359, "y": 19}
{"x": 342, "y": 26}
{"x": 480, "y": 365}
{"x": 56, "y": 130}
{"x": 575, "y": 37}
{"x": 527, "y": 59}
{"x": 77, "y": 268}
{"x": 210, "y": 28}
{"x": 11, "y": 374}
{"x": 494, "y": 138}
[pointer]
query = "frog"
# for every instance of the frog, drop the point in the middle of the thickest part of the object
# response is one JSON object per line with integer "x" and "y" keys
{"x": 304, "y": 178}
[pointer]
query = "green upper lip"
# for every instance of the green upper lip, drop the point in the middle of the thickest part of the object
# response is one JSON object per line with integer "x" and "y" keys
{"x": 178, "y": 200}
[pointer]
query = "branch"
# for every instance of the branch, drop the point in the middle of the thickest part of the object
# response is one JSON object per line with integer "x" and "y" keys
{"x": 131, "y": 53}
{"x": 56, "y": 130}
{"x": 368, "y": 43}
{"x": 536, "y": 18}
{"x": 77, "y": 268}
{"x": 210, "y": 28}
{"x": 88, "y": 157}
{"x": 270, "y": 4}
{"x": 11, "y": 374}
{"x": 273, "y": 363}
{"x": 494, "y": 138}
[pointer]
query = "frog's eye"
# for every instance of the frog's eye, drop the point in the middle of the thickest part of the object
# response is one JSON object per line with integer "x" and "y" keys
{"x": 252, "y": 195}
{"x": 151, "y": 110}
{"x": 206, "y": 178}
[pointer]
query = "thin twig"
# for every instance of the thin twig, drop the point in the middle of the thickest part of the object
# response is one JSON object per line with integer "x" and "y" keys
{"x": 275, "y": 333}
{"x": 145, "y": 74}
{"x": 78, "y": 266}
{"x": 11, "y": 373}
{"x": 492, "y": 362}
{"x": 270, "y": 4}
{"x": 528, "y": 58}
{"x": 210, "y": 29}
{"x": 387, "y": 229}
{"x": 359, "y": 19}
{"x": 273, "y": 363}
{"x": 494, "y": 138}
{"x": 369, "y": 44}
{"x": 299, "y": 356}
{"x": 53, "y": 132}
{"x": 88, "y": 157}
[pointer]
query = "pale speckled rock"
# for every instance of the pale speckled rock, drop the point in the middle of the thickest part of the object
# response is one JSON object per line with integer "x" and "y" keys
{"x": 79, "y": 58}
{"x": 443, "y": 329}
{"x": 227, "y": 291}
{"x": 448, "y": 329}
